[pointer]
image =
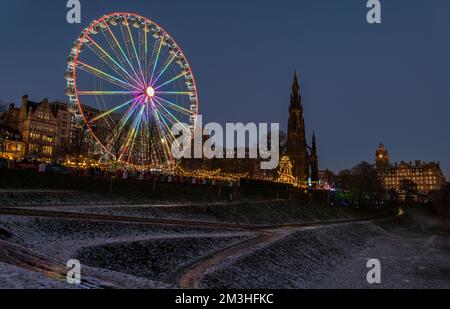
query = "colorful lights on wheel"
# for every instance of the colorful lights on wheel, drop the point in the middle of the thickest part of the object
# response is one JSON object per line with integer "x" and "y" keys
{"x": 129, "y": 82}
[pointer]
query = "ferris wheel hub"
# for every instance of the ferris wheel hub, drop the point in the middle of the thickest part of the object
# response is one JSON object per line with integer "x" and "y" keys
{"x": 131, "y": 96}
{"x": 150, "y": 92}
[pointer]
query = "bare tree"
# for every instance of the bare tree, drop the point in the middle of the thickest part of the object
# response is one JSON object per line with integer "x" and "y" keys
{"x": 3, "y": 110}
{"x": 78, "y": 143}
{"x": 3, "y": 106}
{"x": 117, "y": 141}
{"x": 361, "y": 184}
{"x": 113, "y": 139}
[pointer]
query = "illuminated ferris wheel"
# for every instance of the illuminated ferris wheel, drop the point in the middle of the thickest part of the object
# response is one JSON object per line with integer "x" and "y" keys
{"x": 128, "y": 83}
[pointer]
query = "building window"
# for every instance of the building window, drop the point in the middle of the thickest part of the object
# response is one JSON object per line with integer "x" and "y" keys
{"x": 33, "y": 148}
{"x": 64, "y": 116}
{"x": 47, "y": 138}
{"x": 47, "y": 150}
{"x": 35, "y": 136}
{"x": 64, "y": 124}
{"x": 43, "y": 116}
{"x": 63, "y": 132}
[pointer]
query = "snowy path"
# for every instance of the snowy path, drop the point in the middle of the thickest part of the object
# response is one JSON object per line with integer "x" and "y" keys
{"x": 194, "y": 274}
{"x": 191, "y": 275}
{"x": 17, "y": 256}
{"x": 24, "y": 212}
{"x": 159, "y": 205}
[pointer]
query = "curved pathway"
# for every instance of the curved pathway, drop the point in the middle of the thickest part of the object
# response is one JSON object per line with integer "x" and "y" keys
{"x": 189, "y": 276}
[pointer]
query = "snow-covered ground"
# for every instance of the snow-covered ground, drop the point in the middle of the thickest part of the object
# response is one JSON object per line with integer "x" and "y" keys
{"x": 62, "y": 239}
{"x": 13, "y": 277}
{"x": 156, "y": 258}
{"x": 294, "y": 261}
{"x": 336, "y": 257}
{"x": 41, "y": 197}
{"x": 138, "y": 255}
{"x": 242, "y": 211}
{"x": 259, "y": 213}
{"x": 413, "y": 257}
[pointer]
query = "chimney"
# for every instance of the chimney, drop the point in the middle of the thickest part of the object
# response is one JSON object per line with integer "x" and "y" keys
{"x": 25, "y": 99}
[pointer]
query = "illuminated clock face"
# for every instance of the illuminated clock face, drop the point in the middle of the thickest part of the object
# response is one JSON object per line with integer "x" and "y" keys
{"x": 381, "y": 156}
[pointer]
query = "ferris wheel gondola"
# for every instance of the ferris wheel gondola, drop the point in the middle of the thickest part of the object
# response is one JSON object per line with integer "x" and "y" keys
{"x": 130, "y": 85}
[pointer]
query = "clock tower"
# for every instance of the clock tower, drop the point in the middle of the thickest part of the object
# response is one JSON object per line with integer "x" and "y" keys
{"x": 382, "y": 158}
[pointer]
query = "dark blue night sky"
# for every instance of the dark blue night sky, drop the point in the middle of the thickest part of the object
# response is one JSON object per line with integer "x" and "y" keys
{"x": 362, "y": 84}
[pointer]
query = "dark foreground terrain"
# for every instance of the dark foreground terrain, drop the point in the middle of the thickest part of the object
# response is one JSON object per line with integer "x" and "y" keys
{"x": 260, "y": 242}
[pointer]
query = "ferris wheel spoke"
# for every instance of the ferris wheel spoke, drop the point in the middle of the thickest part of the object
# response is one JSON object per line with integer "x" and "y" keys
{"x": 123, "y": 121}
{"x": 174, "y": 139}
{"x": 174, "y": 118}
{"x": 121, "y": 126}
{"x": 166, "y": 125}
{"x": 109, "y": 112}
{"x": 123, "y": 59}
{"x": 163, "y": 118}
{"x": 132, "y": 132}
{"x": 105, "y": 76}
{"x": 135, "y": 52}
{"x": 114, "y": 141}
{"x": 114, "y": 61}
{"x": 172, "y": 80}
{"x": 141, "y": 86}
{"x": 143, "y": 48}
{"x": 174, "y": 106}
{"x": 165, "y": 67}
{"x": 111, "y": 65}
{"x": 175, "y": 92}
{"x": 127, "y": 38}
{"x": 162, "y": 135}
{"x": 146, "y": 30}
{"x": 156, "y": 60}
{"x": 135, "y": 132}
{"x": 155, "y": 49}
{"x": 116, "y": 92}
{"x": 124, "y": 55}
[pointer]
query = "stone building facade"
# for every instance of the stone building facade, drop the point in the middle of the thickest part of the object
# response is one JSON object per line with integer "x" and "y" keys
{"x": 409, "y": 180}
{"x": 44, "y": 127}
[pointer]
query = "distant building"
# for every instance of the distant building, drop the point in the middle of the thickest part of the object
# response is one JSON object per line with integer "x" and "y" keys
{"x": 45, "y": 128}
{"x": 304, "y": 158}
{"x": 410, "y": 181}
{"x": 11, "y": 145}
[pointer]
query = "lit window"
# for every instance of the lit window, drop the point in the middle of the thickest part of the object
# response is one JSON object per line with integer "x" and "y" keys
{"x": 47, "y": 150}
{"x": 33, "y": 148}
{"x": 47, "y": 138}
